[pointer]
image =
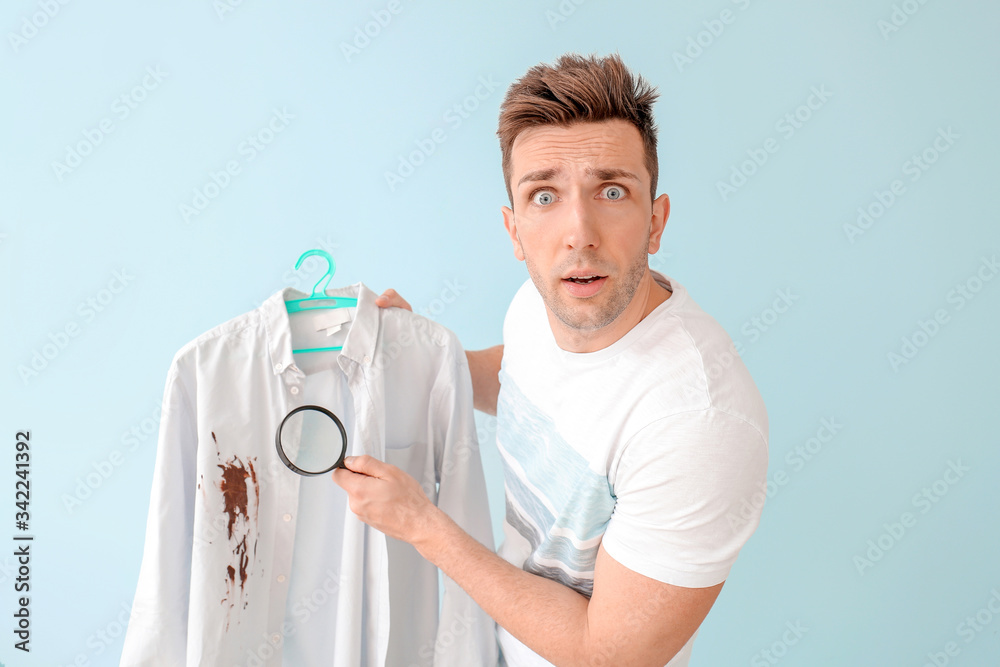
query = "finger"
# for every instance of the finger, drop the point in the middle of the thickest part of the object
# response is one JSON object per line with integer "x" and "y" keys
{"x": 391, "y": 299}
{"x": 388, "y": 299}
{"x": 347, "y": 480}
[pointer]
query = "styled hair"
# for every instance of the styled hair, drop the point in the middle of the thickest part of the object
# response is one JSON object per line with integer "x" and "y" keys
{"x": 578, "y": 89}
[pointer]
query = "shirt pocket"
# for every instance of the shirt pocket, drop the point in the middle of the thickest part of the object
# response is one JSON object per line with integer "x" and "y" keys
{"x": 417, "y": 460}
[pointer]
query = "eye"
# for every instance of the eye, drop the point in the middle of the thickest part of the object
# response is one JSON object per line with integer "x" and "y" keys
{"x": 543, "y": 197}
{"x": 614, "y": 192}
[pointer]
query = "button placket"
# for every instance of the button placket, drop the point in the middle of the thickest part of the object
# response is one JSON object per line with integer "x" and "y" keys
{"x": 285, "y": 537}
{"x": 293, "y": 381}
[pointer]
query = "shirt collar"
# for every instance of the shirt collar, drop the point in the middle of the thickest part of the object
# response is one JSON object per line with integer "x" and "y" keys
{"x": 359, "y": 346}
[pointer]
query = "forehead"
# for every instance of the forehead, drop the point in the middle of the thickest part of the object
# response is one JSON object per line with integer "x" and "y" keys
{"x": 607, "y": 144}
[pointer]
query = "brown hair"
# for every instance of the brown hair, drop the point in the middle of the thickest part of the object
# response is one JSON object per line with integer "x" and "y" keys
{"x": 578, "y": 89}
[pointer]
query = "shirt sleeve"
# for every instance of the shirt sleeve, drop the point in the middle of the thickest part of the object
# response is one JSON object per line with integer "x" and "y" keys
{"x": 466, "y": 635}
{"x": 689, "y": 491}
{"x": 157, "y": 627}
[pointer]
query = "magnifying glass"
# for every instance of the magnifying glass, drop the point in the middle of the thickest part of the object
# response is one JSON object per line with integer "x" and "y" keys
{"x": 311, "y": 440}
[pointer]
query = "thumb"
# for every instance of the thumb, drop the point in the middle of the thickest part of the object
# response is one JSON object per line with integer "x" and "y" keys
{"x": 365, "y": 465}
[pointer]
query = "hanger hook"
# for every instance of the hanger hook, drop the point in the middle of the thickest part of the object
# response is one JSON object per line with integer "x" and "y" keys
{"x": 319, "y": 289}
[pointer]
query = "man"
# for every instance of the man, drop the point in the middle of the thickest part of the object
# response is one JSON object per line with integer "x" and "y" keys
{"x": 631, "y": 432}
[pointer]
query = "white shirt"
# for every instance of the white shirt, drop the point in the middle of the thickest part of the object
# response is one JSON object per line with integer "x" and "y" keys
{"x": 230, "y": 579}
{"x": 652, "y": 446}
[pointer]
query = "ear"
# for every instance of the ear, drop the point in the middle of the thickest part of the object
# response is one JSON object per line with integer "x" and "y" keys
{"x": 508, "y": 222}
{"x": 657, "y": 222}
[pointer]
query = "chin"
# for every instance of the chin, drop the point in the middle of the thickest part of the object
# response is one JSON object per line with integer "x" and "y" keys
{"x": 586, "y": 315}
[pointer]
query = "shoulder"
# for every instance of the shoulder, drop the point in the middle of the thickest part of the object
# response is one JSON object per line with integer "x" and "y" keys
{"x": 526, "y": 301}
{"x": 685, "y": 361}
{"x": 413, "y": 346}
{"x": 399, "y": 323}
{"x": 241, "y": 327}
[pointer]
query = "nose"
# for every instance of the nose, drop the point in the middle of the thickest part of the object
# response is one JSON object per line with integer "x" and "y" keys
{"x": 581, "y": 224}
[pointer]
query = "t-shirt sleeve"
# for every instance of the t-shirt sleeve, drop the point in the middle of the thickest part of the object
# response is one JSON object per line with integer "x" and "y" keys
{"x": 689, "y": 491}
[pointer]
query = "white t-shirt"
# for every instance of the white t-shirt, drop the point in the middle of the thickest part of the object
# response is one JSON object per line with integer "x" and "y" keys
{"x": 652, "y": 445}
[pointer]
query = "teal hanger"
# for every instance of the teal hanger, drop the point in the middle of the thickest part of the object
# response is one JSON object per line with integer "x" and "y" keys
{"x": 319, "y": 300}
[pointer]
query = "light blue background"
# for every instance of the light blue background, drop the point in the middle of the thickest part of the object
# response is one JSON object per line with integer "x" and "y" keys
{"x": 322, "y": 182}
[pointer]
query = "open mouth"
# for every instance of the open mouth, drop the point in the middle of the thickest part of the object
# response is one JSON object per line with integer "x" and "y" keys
{"x": 584, "y": 280}
{"x": 584, "y": 286}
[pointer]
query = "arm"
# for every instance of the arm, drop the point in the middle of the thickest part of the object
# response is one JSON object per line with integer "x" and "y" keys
{"x": 631, "y": 619}
{"x": 484, "y": 365}
{"x": 673, "y": 521}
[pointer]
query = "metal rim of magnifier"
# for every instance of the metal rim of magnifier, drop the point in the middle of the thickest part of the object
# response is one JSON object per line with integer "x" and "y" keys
{"x": 295, "y": 468}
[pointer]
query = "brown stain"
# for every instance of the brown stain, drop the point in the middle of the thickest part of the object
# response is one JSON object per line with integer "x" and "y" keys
{"x": 234, "y": 491}
{"x": 244, "y": 560}
{"x": 235, "y": 495}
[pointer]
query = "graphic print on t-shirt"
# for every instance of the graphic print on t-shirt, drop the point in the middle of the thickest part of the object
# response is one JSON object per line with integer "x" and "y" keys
{"x": 554, "y": 500}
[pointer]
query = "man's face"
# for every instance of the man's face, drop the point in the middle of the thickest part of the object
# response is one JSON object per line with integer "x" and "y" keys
{"x": 582, "y": 219}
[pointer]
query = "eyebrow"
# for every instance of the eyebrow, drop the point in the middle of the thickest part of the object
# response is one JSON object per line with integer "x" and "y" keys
{"x": 602, "y": 174}
{"x": 611, "y": 174}
{"x": 538, "y": 175}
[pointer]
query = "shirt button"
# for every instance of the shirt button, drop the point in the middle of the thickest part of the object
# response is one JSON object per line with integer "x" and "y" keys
{"x": 275, "y": 638}
{"x": 281, "y": 578}
{"x": 294, "y": 390}
{"x": 287, "y": 517}
{"x": 368, "y": 359}
{"x": 278, "y": 368}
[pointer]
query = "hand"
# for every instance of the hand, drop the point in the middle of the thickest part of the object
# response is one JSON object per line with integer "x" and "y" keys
{"x": 386, "y": 498}
{"x": 391, "y": 299}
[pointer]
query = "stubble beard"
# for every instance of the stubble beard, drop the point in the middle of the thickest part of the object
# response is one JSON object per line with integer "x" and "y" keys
{"x": 583, "y": 316}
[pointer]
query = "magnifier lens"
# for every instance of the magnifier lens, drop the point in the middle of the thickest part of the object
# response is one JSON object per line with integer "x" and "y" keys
{"x": 311, "y": 440}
